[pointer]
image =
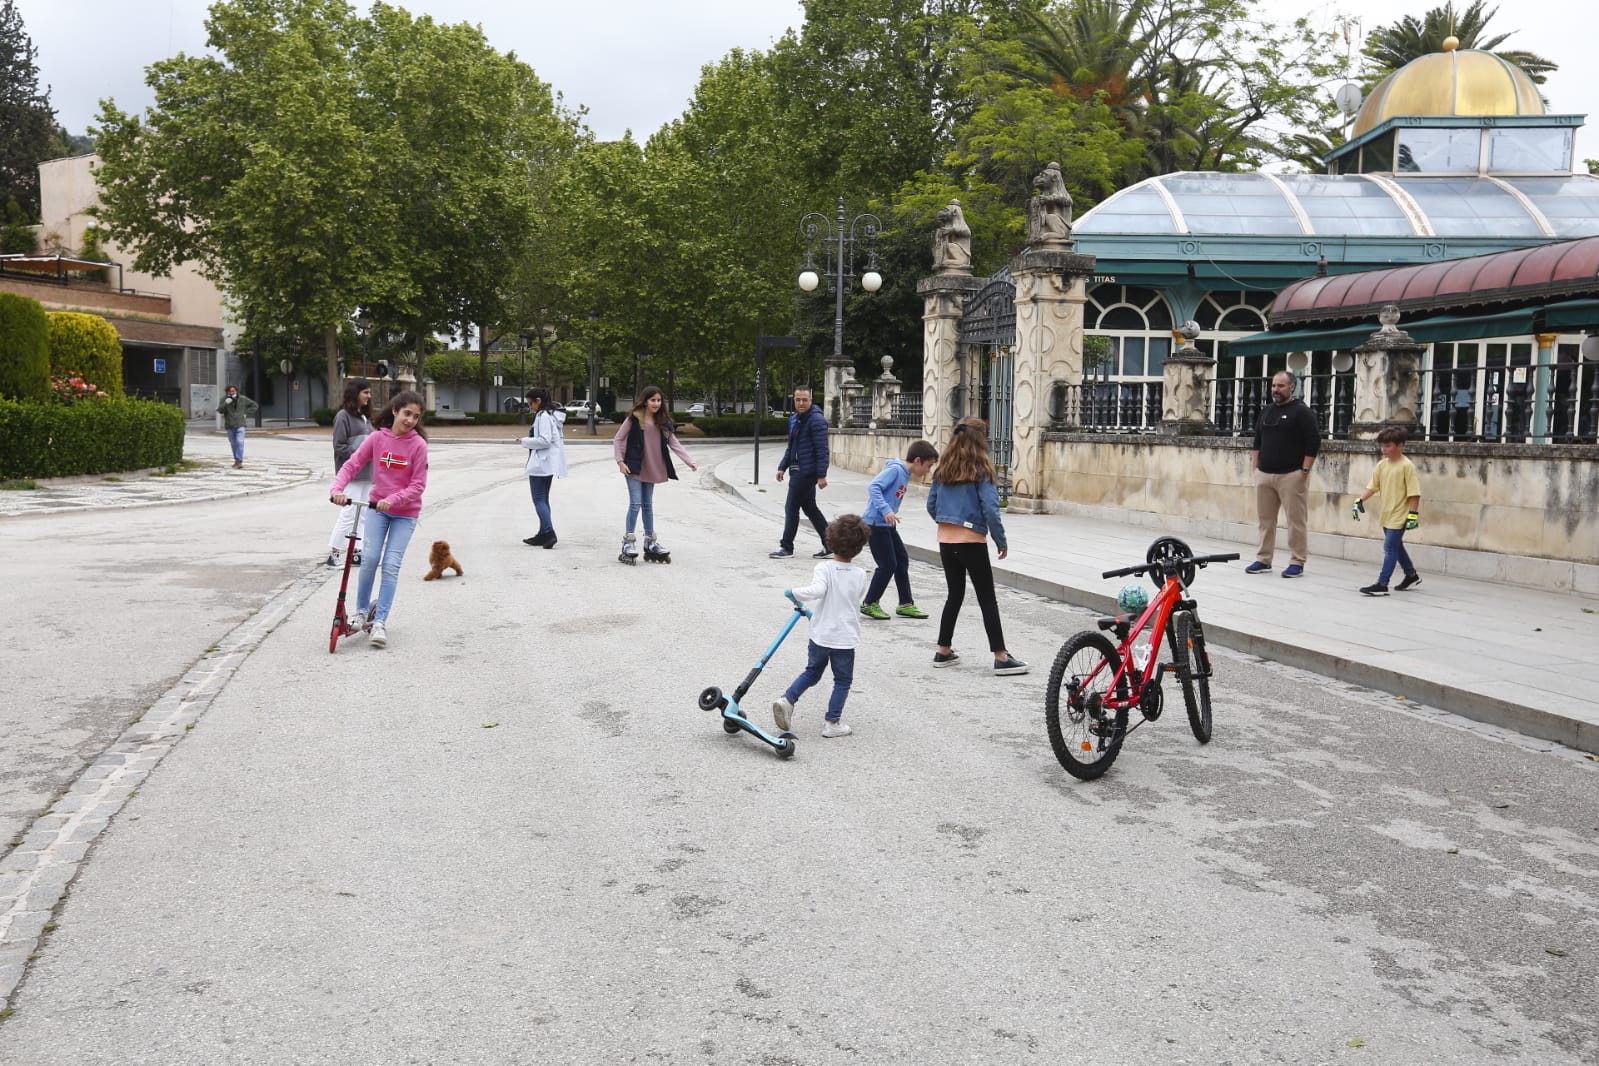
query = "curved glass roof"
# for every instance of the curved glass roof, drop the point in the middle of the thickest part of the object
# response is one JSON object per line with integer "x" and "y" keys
{"x": 1350, "y": 205}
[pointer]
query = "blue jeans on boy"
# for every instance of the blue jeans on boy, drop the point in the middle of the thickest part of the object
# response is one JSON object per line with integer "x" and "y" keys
{"x": 236, "y": 438}
{"x": 539, "y": 484}
{"x": 893, "y": 561}
{"x": 641, "y": 497}
{"x": 1393, "y": 551}
{"x": 387, "y": 537}
{"x": 817, "y": 658}
{"x": 801, "y": 497}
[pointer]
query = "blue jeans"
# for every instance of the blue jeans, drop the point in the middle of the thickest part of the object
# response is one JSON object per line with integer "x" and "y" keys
{"x": 387, "y": 537}
{"x": 236, "y": 438}
{"x": 641, "y": 497}
{"x": 1393, "y": 551}
{"x": 539, "y": 484}
{"x": 801, "y": 497}
{"x": 893, "y": 561}
{"x": 816, "y": 659}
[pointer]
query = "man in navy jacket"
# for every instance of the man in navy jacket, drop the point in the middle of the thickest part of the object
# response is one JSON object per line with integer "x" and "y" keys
{"x": 804, "y": 463}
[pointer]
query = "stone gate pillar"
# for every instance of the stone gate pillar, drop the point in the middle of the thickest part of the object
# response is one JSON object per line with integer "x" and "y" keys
{"x": 1387, "y": 379}
{"x": 1185, "y": 388}
{"x": 943, "y": 298}
{"x": 1051, "y": 288}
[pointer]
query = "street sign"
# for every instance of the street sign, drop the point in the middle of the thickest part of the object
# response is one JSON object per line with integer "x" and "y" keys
{"x": 160, "y": 366}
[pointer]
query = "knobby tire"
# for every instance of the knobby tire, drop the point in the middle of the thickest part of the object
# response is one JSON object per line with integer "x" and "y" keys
{"x": 1066, "y": 710}
{"x": 1193, "y": 670}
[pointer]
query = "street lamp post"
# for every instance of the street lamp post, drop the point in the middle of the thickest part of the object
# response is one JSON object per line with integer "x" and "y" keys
{"x": 837, "y": 239}
{"x": 594, "y": 372}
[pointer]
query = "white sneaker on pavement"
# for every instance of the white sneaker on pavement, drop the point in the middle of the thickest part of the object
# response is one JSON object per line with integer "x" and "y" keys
{"x": 380, "y": 636}
{"x": 782, "y": 710}
{"x": 836, "y": 729}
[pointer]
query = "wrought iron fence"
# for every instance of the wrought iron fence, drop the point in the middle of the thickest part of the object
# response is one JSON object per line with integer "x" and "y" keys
{"x": 908, "y": 411}
{"x": 1553, "y": 404}
{"x": 1111, "y": 406}
{"x": 859, "y": 410}
{"x": 1239, "y": 401}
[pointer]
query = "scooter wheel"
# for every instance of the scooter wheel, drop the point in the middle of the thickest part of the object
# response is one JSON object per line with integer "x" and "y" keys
{"x": 729, "y": 726}
{"x": 787, "y": 750}
{"x": 710, "y": 699}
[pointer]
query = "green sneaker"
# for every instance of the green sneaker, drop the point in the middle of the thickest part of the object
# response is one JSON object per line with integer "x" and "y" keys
{"x": 874, "y": 610}
{"x": 910, "y": 610}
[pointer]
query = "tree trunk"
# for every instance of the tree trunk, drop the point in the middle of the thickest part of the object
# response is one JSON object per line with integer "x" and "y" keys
{"x": 330, "y": 342}
{"x": 482, "y": 368}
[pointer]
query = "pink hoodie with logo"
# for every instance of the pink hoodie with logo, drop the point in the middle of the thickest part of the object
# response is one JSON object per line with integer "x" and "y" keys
{"x": 399, "y": 470}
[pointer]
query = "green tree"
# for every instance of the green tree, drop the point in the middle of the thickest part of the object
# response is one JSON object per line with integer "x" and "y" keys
{"x": 1390, "y": 47}
{"x": 24, "y": 349}
{"x": 27, "y": 122}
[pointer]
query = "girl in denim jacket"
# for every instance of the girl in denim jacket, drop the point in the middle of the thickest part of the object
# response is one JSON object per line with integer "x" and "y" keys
{"x": 965, "y": 503}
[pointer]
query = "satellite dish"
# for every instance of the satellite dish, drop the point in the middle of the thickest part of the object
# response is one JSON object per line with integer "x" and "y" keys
{"x": 1348, "y": 99}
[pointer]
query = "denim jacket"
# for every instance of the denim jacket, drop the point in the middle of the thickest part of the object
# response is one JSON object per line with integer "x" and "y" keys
{"x": 973, "y": 504}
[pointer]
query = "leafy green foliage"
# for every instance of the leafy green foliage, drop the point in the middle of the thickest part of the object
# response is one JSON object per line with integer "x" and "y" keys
{"x": 50, "y": 440}
{"x": 457, "y": 368}
{"x": 24, "y": 349}
{"x": 86, "y": 346}
{"x": 1390, "y": 47}
{"x": 26, "y": 118}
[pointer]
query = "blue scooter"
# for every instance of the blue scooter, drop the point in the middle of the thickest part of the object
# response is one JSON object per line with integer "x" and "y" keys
{"x": 733, "y": 719}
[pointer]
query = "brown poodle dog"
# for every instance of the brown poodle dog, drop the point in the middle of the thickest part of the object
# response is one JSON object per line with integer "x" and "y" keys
{"x": 440, "y": 560}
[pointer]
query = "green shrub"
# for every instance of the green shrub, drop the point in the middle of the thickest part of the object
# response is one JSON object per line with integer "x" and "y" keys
{"x": 24, "y": 349}
{"x": 86, "y": 346}
{"x": 96, "y": 437}
{"x": 324, "y": 415}
{"x": 741, "y": 426}
{"x": 496, "y": 418}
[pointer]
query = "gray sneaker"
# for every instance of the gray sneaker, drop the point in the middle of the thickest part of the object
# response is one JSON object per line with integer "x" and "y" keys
{"x": 781, "y": 553}
{"x": 380, "y": 636}
{"x": 782, "y": 712}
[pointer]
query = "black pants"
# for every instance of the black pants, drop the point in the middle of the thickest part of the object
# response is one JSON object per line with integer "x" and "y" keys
{"x": 961, "y": 560}
{"x": 801, "y": 497}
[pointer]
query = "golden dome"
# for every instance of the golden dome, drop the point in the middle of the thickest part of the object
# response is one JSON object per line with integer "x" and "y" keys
{"x": 1451, "y": 83}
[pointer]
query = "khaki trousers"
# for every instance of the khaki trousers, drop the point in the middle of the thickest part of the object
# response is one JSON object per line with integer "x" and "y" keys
{"x": 1291, "y": 494}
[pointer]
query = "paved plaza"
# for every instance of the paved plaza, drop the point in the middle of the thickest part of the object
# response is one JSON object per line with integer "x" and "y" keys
{"x": 511, "y": 836}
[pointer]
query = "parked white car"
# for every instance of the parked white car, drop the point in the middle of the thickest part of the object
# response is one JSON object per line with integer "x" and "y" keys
{"x": 699, "y": 410}
{"x": 580, "y": 409}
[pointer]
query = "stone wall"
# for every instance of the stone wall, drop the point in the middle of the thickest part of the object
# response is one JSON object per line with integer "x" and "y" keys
{"x": 1524, "y": 515}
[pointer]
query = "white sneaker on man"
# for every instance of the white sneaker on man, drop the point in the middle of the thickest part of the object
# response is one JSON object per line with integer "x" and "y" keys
{"x": 835, "y": 729}
{"x": 380, "y": 636}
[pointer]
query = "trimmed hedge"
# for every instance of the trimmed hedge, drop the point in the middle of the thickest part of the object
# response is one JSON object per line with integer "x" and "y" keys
{"x": 742, "y": 426}
{"x": 94, "y": 437}
{"x": 86, "y": 345}
{"x": 24, "y": 349}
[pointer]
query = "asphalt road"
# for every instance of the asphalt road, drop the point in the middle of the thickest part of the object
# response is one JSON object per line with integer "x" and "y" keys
{"x": 511, "y": 837}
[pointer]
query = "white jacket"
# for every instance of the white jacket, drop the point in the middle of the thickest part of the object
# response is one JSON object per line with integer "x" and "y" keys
{"x": 546, "y": 445}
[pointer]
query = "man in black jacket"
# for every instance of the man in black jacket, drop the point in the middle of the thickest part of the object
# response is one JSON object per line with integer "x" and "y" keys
{"x": 1286, "y": 442}
{"x": 804, "y": 463}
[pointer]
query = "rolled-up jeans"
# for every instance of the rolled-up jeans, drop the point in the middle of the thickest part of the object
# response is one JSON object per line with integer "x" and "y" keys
{"x": 387, "y": 537}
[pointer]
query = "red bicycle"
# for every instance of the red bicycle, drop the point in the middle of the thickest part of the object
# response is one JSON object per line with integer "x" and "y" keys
{"x": 1094, "y": 685}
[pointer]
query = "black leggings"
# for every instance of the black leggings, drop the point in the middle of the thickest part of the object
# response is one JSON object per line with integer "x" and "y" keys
{"x": 959, "y": 561}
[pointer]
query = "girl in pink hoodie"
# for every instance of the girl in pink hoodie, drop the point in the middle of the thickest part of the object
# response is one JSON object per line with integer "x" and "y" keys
{"x": 398, "y": 452}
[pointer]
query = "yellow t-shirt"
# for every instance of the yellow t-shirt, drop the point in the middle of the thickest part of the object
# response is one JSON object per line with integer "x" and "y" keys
{"x": 1395, "y": 482}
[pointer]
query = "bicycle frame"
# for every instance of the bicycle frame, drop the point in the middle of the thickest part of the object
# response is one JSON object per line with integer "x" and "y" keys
{"x": 1156, "y": 617}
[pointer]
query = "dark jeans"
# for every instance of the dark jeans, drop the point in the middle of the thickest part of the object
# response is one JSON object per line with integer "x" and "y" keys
{"x": 961, "y": 561}
{"x": 801, "y": 497}
{"x": 893, "y": 561}
{"x": 539, "y": 484}
{"x": 816, "y": 659}
{"x": 1393, "y": 551}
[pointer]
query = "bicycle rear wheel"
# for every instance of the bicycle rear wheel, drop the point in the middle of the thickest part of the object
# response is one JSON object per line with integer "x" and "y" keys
{"x": 1193, "y": 670}
{"x": 1086, "y": 736}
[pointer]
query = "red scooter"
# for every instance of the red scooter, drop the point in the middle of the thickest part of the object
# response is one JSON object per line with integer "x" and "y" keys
{"x": 341, "y": 620}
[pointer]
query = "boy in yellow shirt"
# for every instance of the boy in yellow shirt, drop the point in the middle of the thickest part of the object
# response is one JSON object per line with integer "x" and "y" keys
{"x": 1396, "y": 482}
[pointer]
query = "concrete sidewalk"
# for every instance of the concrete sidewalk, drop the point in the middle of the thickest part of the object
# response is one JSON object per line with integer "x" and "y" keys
{"x": 1520, "y": 658}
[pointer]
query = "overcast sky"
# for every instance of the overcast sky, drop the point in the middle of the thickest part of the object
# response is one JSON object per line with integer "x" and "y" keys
{"x": 634, "y": 63}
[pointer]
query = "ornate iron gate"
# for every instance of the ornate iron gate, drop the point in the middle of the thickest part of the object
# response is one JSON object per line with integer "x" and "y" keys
{"x": 984, "y": 387}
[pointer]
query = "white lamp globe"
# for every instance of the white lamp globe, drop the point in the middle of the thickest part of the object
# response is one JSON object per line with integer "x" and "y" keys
{"x": 871, "y": 281}
{"x": 808, "y": 280}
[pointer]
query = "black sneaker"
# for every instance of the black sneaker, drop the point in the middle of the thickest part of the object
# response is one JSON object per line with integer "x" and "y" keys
{"x": 781, "y": 553}
{"x": 1009, "y": 665}
{"x": 940, "y": 659}
{"x": 1375, "y": 590}
{"x": 823, "y": 554}
{"x": 1410, "y": 582}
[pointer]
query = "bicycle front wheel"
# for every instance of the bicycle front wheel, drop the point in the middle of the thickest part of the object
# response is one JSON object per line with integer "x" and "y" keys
{"x": 1193, "y": 670}
{"x": 1086, "y": 735}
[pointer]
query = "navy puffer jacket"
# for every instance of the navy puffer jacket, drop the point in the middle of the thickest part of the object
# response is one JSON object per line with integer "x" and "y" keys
{"x": 807, "y": 444}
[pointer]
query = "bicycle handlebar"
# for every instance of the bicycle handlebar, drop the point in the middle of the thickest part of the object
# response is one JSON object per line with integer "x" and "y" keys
{"x": 1171, "y": 564}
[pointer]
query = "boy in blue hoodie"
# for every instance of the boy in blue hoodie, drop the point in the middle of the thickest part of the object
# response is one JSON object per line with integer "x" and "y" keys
{"x": 882, "y": 519}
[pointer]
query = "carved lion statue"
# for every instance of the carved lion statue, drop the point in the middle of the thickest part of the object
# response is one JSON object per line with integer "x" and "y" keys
{"x": 952, "y": 242}
{"x": 1049, "y": 214}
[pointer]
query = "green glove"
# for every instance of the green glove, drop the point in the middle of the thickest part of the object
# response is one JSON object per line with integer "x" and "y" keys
{"x": 1412, "y": 520}
{"x": 1357, "y": 510}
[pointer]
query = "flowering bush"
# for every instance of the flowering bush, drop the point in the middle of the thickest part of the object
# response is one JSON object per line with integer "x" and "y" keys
{"x": 72, "y": 388}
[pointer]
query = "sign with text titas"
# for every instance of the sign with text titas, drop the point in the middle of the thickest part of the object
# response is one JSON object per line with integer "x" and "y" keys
{"x": 160, "y": 366}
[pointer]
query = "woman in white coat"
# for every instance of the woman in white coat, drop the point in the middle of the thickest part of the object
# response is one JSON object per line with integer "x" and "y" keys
{"x": 546, "y": 460}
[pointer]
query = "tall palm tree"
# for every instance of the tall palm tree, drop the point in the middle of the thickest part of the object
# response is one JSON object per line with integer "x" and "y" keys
{"x": 1391, "y": 47}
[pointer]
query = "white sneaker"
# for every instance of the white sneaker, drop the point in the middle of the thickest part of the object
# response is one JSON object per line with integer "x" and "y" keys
{"x": 781, "y": 710}
{"x": 836, "y": 729}
{"x": 380, "y": 636}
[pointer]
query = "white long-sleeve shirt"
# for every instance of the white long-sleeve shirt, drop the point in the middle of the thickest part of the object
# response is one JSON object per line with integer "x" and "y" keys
{"x": 834, "y": 597}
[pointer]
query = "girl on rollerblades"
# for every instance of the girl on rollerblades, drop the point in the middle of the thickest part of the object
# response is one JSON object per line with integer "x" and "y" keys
{"x": 398, "y": 452}
{"x": 643, "y": 447}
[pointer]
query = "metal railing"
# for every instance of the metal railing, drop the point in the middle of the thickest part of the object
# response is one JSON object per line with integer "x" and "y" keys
{"x": 1112, "y": 407}
{"x": 908, "y": 411}
{"x": 1523, "y": 404}
{"x": 1239, "y": 401}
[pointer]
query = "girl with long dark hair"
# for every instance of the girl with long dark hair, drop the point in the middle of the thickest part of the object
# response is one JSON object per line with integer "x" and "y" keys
{"x": 352, "y": 423}
{"x": 643, "y": 447}
{"x": 546, "y": 460}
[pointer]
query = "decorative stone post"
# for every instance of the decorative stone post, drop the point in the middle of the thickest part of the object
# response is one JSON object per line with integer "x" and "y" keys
{"x": 1387, "y": 379}
{"x": 885, "y": 391}
{"x": 943, "y": 301}
{"x": 1051, "y": 288}
{"x": 1185, "y": 388}
{"x": 850, "y": 404}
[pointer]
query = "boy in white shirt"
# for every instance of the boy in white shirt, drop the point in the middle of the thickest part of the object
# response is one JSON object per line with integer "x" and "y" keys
{"x": 834, "y": 597}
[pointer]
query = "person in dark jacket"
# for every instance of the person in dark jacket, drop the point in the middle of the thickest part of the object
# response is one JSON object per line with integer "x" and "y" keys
{"x": 804, "y": 463}
{"x": 235, "y": 409}
{"x": 1286, "y": 442}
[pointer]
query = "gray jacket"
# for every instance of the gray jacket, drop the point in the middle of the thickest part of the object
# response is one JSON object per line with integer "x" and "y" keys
{"x": 348, "y": 430}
